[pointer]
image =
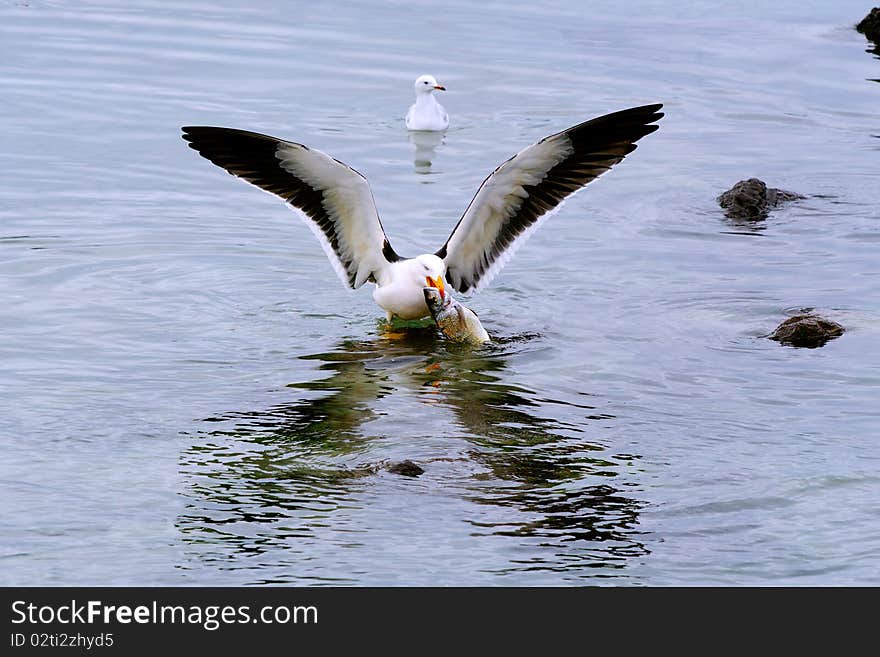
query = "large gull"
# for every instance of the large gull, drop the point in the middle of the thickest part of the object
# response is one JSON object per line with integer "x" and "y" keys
{"x": 336, "y": 202}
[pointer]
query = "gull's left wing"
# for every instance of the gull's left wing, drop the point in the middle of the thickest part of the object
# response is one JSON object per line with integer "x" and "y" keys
{"x": 520, "y": 193}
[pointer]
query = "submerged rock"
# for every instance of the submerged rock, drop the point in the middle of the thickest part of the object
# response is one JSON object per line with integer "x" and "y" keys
{"x": 806, "y": 331}
{"x": 751, "y": 199}
{"x": 870, "y": 25}
{"x": 406, "y": 468}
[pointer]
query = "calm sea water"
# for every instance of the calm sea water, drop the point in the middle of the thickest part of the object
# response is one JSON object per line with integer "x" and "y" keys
{"x": 189, "y": 396}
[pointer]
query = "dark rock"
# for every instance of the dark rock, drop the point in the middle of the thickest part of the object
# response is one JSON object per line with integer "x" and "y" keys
{"x": 406, "y": 468}
{"x": 870, "y": 25}
{"x": 751, "y": 199}
{"x": 806, "y": 331}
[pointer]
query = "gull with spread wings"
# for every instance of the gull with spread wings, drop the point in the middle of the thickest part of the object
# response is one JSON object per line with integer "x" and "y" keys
{"x": 335, "y": 201}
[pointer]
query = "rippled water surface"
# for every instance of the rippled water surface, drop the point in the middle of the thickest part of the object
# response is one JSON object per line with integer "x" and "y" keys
{"x": 189, "y": 396}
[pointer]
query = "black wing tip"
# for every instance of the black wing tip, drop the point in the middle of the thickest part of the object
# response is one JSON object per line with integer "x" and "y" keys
{"x": 190, "y": 131}
{"x": 650, "y": 114}
{"x": 198, "y": 135}
{"x": 211, "y": 133}
{"x": 641, "y": 114}
{"x": 653, "y": 107}
{"x": 629, "y": 124}
{"x": 641, "y": 117}
{"x": 644, "y": 110}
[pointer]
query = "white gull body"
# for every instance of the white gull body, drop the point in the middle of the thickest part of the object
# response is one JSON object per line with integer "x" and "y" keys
{"x": 426, "y": 113}
{"x": 336, "y": 202}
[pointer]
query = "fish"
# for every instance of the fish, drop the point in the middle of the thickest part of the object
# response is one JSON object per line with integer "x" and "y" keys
{"x": 457, "y": 322}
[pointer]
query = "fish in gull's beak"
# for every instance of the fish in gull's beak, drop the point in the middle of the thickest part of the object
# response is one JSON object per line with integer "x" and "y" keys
{"x": 438, "y": 283}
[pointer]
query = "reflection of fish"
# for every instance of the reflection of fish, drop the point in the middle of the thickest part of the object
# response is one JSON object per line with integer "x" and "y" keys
{"x": 458, "y": 323}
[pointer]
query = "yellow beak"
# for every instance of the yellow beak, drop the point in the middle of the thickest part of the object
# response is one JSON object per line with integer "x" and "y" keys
{"x": 438, "y": 283}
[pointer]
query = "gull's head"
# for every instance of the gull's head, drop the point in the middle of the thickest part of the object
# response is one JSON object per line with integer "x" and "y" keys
{"x": 426, "y": 84}
{"x": 429, "y": 270}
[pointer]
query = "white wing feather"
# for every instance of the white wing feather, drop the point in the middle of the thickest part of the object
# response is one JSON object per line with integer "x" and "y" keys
{"x": 348, "y": 201}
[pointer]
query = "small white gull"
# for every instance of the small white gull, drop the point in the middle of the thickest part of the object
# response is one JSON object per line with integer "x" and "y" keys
{"x": 337, "y": 204}
{"x": 426, "y": 113}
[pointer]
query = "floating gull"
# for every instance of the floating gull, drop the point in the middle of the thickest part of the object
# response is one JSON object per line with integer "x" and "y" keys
{"x": 426, "y": 113}
{"x": 337, "y": 204}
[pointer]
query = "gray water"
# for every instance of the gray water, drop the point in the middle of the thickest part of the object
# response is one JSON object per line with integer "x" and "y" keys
{"x": 189, "y": 396}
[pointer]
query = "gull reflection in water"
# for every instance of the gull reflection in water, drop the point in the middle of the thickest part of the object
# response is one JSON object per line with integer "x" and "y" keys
{"x": 260, "y": 480}
{"x": 426, "y": 144}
